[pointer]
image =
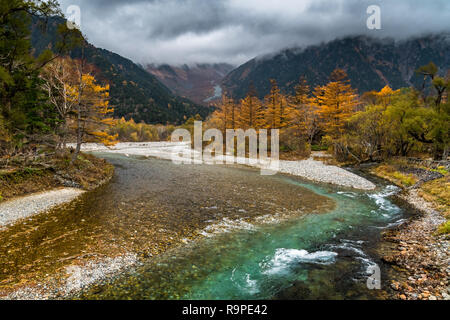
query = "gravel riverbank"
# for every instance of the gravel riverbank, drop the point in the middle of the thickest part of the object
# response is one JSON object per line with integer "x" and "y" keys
{"x": 309, "y": 169}
{"x": 420, "y": 258}
{"x": 24, "y": 207}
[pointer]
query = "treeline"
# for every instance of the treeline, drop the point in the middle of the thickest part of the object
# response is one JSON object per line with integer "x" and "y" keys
{"x": 49, "y": 99}
{"x": 130, "y": 131}
{"x": 374, "y": 126}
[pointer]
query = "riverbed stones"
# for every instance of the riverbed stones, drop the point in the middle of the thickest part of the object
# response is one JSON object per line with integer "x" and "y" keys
{"x": 422, "y": 257}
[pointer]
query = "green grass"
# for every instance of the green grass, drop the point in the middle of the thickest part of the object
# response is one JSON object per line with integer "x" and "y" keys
{"x": 405, "y": 179}
{"x": 390, "y": 173}
{"x": 438, "y": 192}
{"x": 444, "y": 228}
{"x": 441, "y": 170}
{"x": 316, "y": 147}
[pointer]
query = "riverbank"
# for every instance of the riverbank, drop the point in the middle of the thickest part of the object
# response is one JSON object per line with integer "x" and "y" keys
{"x": 419, "y": 249}
{"x": 309, "y": 169}
{"x": 150, "y": 207}
{"x": 25, "y": 192}
{"x": 24, "y": 207}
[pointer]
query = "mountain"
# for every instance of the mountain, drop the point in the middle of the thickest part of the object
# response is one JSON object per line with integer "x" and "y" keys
{"x": 370, "y": 64}
{"x": 134, "y": 92}
{"x": 199, "y": 83}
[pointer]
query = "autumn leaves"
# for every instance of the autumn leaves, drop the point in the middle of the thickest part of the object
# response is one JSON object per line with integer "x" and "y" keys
{"x": 81, "y": 103}
{"x": 302, "y": 115}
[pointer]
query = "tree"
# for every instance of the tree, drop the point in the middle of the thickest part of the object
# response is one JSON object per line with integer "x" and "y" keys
{"x": 23, "y": 104}
{"x": 227, "y": 113}
{"x": 366, "y": 137}
{"x": 384, "y": 96}
{"x": 59, "y": 78}
{"x": 92, "y": 110}
{"x": 427, "y": 71}
{"x": 303, "y": 113}
{"x": 251, "y": 113}
{"x": 336, "y": 102}
{"x": 440, "y": 84}
{"x": 276, "y": 107}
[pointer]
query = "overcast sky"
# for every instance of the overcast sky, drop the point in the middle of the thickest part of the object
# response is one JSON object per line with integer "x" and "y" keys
{"x": 234, "y": 31}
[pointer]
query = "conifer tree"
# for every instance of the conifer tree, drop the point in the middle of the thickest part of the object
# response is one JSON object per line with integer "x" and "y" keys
{"x": 250, "y": 115}
{"x": 336, "y": 101}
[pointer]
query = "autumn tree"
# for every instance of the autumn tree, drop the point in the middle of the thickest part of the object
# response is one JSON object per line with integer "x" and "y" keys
{"x": 227, "y": 114}
{"x": 59, "y": 78}
{"x": 251, "y": 113}
{"x": 336, "y": 102}
{"x": 275, "y": 108}
{"x": 303, "y": 113}
{"x": 92, "y": 110}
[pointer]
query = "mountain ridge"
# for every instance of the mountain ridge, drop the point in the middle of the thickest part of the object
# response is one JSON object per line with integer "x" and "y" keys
{"x": 370, "y": 63}
{"x": 134, "y": 92}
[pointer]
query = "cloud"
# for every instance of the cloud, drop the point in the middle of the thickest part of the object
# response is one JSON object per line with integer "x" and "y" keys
{"x": 234, "y": 31}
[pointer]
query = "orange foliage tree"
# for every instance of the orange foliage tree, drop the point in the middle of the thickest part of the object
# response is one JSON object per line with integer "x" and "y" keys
{"x": 336, "y": 101}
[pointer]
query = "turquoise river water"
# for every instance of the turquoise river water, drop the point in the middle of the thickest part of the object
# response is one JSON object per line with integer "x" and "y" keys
{"x": 315, "y": 255}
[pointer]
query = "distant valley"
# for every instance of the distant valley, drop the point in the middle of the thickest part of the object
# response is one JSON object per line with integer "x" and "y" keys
{"x": 199, "y": 83}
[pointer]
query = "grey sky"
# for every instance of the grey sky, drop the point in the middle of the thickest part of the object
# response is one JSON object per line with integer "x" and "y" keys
{"x": 234, "y": 31}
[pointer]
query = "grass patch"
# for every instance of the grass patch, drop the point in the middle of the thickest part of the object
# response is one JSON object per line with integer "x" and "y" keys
{"x": 318, "y": 147}
{"x": 444, "y": 228}
{"x": 441, "y": 170}
{"x": 25, "y": 181}
{"x": 438, "y": 192}
{"x": 389, "y": 172}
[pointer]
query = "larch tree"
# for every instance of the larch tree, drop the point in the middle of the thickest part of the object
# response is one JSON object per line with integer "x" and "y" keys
{"x": 385, "y": 95}
{"x": 92, "y": 111}
{"x": 227, "y": 113}
{"x": 303, "y": 115}
{"x": 250, "y": 115}
{"x": 336, "y": 101}
{"x": 276, "y": 106}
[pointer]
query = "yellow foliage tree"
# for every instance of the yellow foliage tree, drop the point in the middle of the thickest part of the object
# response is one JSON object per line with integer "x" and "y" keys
{"x": 336, "y": 101}
{"x": 251, "y": 113}
{"x": 227, "y": 114}
{"x": 276, "y": 112}
{"x": 92, "y": 112}
{"x": 385, "y": 94}
{"x": 303, "y": 113}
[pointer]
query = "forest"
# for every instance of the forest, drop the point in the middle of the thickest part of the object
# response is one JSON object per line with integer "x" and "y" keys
{"x": 373, "y": 126}
{"x": 51, "y": 99}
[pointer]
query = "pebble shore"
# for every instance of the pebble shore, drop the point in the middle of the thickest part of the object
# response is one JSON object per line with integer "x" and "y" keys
{"x": 309, "y": 169}
{"x": 25, "y": 207}
{"x": 420, "y": 256}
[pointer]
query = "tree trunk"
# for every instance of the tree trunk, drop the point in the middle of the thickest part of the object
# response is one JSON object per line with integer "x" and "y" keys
{"x": 79, "y": 136}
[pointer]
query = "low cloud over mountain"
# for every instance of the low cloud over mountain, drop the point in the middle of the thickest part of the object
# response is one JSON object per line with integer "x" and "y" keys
{"x": 234, "y": 31}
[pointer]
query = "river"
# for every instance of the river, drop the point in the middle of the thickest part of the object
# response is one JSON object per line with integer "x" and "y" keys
{"x": 209, "y": 232}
